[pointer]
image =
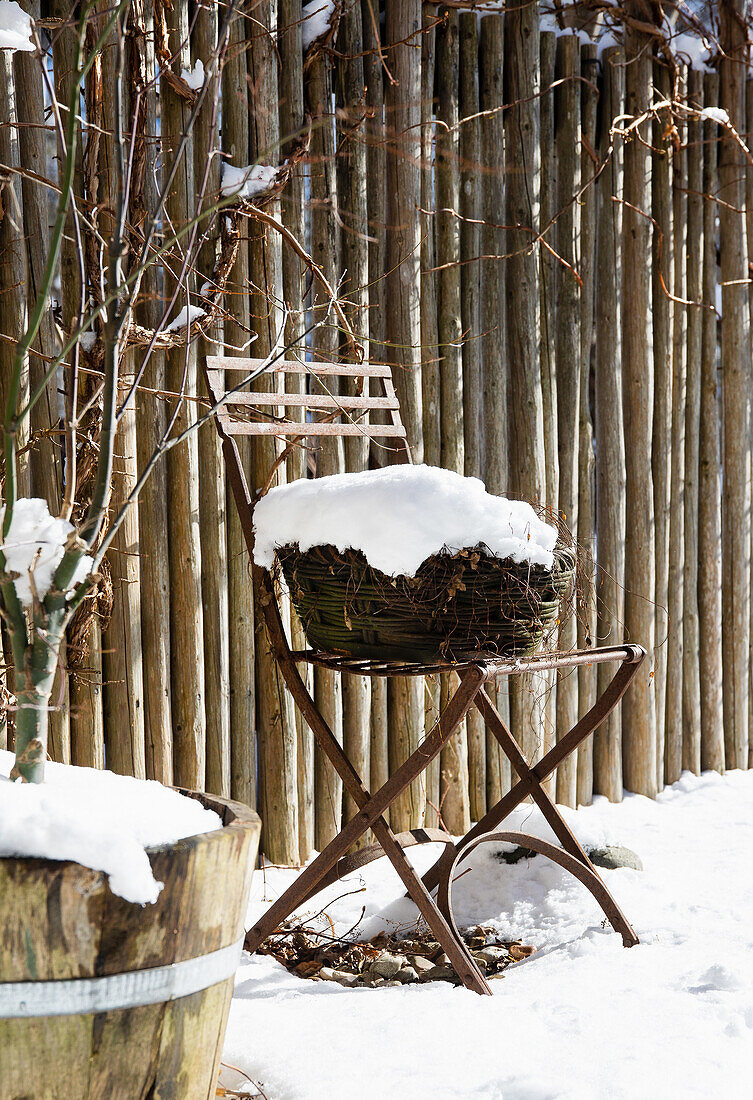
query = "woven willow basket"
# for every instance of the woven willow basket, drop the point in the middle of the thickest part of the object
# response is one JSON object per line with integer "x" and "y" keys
{"x": 456, "y": 605}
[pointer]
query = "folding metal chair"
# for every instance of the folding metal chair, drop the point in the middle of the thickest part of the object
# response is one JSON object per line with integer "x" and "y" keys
{"x": 254, "y": 413}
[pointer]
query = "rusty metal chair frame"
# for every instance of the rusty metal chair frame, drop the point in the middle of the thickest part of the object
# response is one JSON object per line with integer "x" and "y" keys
{"x": 254, "y": 414}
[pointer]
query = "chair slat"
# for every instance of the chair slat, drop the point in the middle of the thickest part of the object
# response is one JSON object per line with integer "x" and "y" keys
{"x": 313, "y": 401}
{"x": 312, "y": 428}
{"x": 286, "y": 366}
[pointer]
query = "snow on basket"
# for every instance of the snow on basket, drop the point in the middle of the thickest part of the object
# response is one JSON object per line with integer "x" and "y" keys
{"x": 414, "y": 562}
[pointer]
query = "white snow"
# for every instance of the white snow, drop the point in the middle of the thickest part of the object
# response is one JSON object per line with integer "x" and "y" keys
{"x": 316, "y": 15}
{"x": 185, "y": 317}
{"x": 98, "y": 819}
{"x": 582, "y": 1019}
{"x": 399, "y": 516}
{"x": 15, "y": 27}
{"x": 87, "y": 340}
{"x": 248, "y": 182}
{"x": 715, "y": 114}
{"x": 194, "y": 77}
{"x": 36, "y": 544}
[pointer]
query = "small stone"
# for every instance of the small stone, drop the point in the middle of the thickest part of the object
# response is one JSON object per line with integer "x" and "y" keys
{"x": 442, "y": 960}
{"x": 613, "y": 856}
{"x": 520, "y": 951}
{"x": 343, "y": 978}
{"x": 493, "y": 955}
{"x": 393, "y": 983}
{"x": 387, "y": 965}
{"x": 439, "y": 974}
{"x": 407, "y": 974}
{"x": 327, "y": 974}
{"x": 481, "y": 962}
{"x": 421, "y": 964}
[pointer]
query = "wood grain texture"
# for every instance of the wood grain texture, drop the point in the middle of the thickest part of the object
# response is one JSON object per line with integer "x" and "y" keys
{"x": 60, "y": 920}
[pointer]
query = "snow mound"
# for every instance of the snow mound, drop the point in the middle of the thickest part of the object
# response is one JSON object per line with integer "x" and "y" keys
{"x": 317, "y": 16}
{"x": 398, "y": 517}
{"x": 194, "y": 77}
{"x": 187, "y": 316}
{"x": 98, "y": 819}
{"x": 35, "y": 544}
{"x": 248, "y": 182}
{"x": 15, "y": 27}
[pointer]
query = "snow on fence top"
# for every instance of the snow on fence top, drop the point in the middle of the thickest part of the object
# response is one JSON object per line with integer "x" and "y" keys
{"x": 398, "y": 517}
{"x": 15, "y": 27}
{"x": 98, "y": 819}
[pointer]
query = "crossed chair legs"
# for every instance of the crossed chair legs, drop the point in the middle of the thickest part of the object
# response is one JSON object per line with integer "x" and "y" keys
{"x": 333, "y": 863}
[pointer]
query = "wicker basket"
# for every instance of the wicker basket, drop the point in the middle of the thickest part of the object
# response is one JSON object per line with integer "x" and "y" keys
{"x": 455, "y": 605}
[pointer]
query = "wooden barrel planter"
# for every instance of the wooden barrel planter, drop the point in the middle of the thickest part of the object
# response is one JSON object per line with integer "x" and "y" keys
{"x": 169, "y": 966}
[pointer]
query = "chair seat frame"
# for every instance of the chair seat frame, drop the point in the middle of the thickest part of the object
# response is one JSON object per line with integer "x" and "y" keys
{"x": 474, "y": 674}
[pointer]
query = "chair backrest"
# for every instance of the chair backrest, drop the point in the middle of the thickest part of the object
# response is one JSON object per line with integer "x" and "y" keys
{"x": 324, "y": 411}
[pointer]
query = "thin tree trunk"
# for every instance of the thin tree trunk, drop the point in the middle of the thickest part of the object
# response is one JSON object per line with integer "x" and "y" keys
{"x": 275, "y": 715}
{"x": 736, "y": 382}
{"x": 610, "y": 446}
{"x": 662, "y": 307}
{"x": 568, "y": 350}
{"x": 673, "y": 720}
{"x": 709, "y": 503}
{"x": 586, "y": 485}
{"x": 403, "y": 331}
{"x": 213, "y": 523}
{"x": 548, "y": 273}
{"x": 243, "y": 757}
{"x": 691, "y": 688}
{"x": 638, "y": 707}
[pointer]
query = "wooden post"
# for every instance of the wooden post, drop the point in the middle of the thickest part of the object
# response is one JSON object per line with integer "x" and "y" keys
{"x": 492, "y": 274}
{"x": 354, "y": 252}
{"x": 213, "y": 520}
{"x": 736, "y": 381}
{"x": 151, "y": 424}
{"x": 275, "y": 715}
{"x": 403, "y": 329}
{"x": 470, "y": 290}
{"x": 662, "y": 276}
{"x": 673, "y": 710}
{"x": 568, "y": 351}
{"x": 243, "y": 636}
{"x": 46, "y": 458}
{"x": 691, "y": 688}
{"x": 548, "y": 273}
{"x": 376, "y": 197}
{"x": 122, "y": 668}
{"x": 610, "y": 447}
{"x": 709, "y": 503}
{"x": 586, "y": 625}
{"x": 292, "y": 121}
{"x": 638, "y": 707}
{"x": 454, "y": 794}
{"x": 430, "y": 384}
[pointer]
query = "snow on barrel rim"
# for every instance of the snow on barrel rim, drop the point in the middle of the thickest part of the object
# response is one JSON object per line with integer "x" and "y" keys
{"x": 398, "y": 517}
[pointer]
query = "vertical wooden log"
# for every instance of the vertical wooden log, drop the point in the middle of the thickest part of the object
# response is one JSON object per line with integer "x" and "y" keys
{"x": 586, "y": 626}
{"x": 430, "y": 384}
{"x": 548, "y": 273}
{"x": 526, "y": 419}
{"x": 243, "y": 636}
{"x": 454, "y": 794}
{"x": 376, "y": 195}
{"x": 122, "y": 668}
{"x": 691, "y": 688}
{"x": 470, "y": 291}
{"x": 673, "y": 710}
{"x": 46, "y": 458}
{"x": 151, "y": 424}
{"x": 610, "y": 447}
{"x": 403, "y": 330}
{"x": 709, "y": 459}
{"x": 492, "y": 274}
{"x": 330, "y": 456}
{"x": 567, "y": 335}
{"x": 638, "y": 707}
{"x": 662, "y": 307}
{"x": 275, "y": 716}
{"x": 354, "y": 252}
{"x": 292, "y": 120}
{"x": 212, "y": 527}
{"x": 736, "y": 381}
{"x": 186, "y": 620}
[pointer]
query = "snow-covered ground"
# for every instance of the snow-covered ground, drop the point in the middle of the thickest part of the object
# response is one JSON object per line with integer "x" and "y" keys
{"x": 583, "y": 1018}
